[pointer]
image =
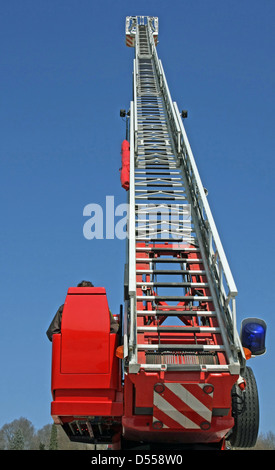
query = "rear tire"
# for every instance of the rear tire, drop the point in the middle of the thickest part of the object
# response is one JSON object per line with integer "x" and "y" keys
{"x": 245, "y": 410}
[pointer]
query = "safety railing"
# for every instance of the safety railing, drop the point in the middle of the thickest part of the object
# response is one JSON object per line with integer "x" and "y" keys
{"x": 133, "y": 21}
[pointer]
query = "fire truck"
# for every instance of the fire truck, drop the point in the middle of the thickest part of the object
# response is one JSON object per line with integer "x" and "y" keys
{"x": 176, "y": 374}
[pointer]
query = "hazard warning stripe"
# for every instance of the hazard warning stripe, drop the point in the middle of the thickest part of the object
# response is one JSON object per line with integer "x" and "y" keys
{"x": 173, "y": 413}
{"x": 187, "y": 404}
{"x": 198, "y": 392}
{"x": 183, "y": 408}
{"x": 183, "y": 405}
{"x": 129, "y": 41}
{"x": 190, "y": 400}
{"x": 166, "y": 420}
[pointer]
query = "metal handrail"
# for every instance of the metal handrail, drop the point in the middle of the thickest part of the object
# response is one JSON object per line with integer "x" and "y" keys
{"x": 133, "y": 21}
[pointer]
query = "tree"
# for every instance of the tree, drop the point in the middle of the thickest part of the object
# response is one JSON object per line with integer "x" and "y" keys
{"x": 17, "y": 441}
{"x": 9, "y": 430}
{"x": 265, "y": 442}
{"x": 43, "y": 436}
{"x": 53, "y": 439}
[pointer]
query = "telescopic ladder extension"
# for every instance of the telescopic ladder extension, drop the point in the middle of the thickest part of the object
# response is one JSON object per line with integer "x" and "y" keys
{"x": 180, "y": 298}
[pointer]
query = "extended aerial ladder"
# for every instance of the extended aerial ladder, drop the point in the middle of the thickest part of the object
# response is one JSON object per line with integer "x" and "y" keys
{"x": 171, "y": 227}
{"x": 182, "y": 374}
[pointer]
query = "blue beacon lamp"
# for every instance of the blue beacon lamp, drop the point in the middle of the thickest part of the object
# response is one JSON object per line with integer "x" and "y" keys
{"x": 253, "y": 332}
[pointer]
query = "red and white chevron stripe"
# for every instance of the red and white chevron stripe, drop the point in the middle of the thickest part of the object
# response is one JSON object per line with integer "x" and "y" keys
{"x": 187, "y": 406}
{"x": 130, "y": 41}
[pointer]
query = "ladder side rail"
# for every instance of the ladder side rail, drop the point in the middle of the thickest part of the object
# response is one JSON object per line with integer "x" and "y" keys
{"x": 125, "y": 323}
{"x": 218, "y": 260}
{"x": 231, "y": 309}
{"x": 131, "y": 228}
{"x": 165, "y": 91}
{"x": 132, "y": 315}
{"x": 135, "y": 123}
{"x": 237, "y": 339}
{"x": 155, "y": 56}
{"x": 170, "y": 110}
{"x": 137, "y": 45}
{"x": 132, "y": 244}
{"x": 125, "y": 329}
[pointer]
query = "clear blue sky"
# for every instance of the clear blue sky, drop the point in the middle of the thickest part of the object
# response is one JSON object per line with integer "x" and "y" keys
{"x": 65, "y": 74}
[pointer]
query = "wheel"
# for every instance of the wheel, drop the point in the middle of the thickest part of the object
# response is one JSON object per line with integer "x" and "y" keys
{"x": 245, "y": 410}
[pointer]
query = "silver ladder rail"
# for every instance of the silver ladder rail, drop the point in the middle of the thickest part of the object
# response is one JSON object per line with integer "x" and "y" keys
{"x": 164, "y": 186}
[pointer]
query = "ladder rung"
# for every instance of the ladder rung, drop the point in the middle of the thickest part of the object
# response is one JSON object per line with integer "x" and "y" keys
{"x": 157, "y": 172}
{"x": 173, "y": 284}
{"x": 186, "y": 367}
{"x": 174, "y": 207}
{"x": 206, "y": 313}
{"x": 161, "y": 222}
{"x": 159, "y": 195}
{"x": 175, "y": 329}
{"x": 160, "y": 162}
{"x": 156, "y": 192}
{"x": 153, "y": 180}
{"x": 167, "y": 271}
{"x": 156, "y": 298}
{"x": 146, "y": 167}
{"x": 169, "y": 347}
{"x": 175, "y": 210}
{"x": 157, "y": 185}
{"x": 161, "y": 198}
{"x": 168, "y": 260}
{"x": 184, "y": 237}
{"x": 165, "y": 248}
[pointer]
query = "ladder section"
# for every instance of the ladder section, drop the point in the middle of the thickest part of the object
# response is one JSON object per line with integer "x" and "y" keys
{"x": 177, "y": 325}
{"x": 175, "y": 317}
{"x": 176, "y": 322}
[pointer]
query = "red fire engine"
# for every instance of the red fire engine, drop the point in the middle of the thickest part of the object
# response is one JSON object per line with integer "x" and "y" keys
{"x": 175, "y": 375}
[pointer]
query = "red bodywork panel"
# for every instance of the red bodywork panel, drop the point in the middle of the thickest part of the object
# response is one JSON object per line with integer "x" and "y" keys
{"x": 84, "y": 340}
{"x": 125, "y": 169}
{"x": 85, "y": 370}
{"x": 164, "y": 406}
{"x": 178, "y": 407}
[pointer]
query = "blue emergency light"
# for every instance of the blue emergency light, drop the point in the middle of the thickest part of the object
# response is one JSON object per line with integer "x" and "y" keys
{"x": 253, "y": 331}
